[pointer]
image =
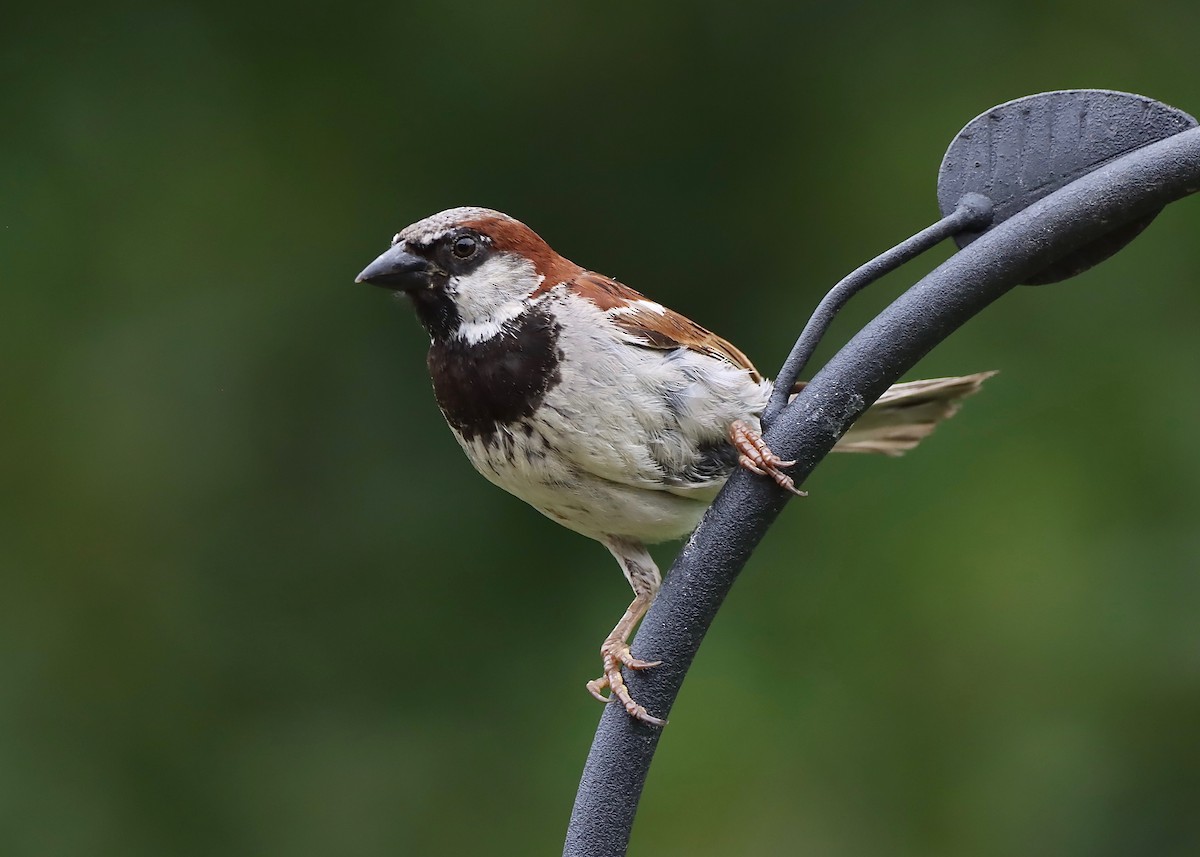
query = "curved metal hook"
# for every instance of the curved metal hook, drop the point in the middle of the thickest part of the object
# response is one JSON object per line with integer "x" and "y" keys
{"x": 974, "y": 213}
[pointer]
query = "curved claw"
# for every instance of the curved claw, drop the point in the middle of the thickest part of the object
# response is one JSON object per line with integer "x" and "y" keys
{"x": 754, "y": 455}
{"x": 596, "y": 687}
{"x": 620, "y": 652}
{"x": 616, "y": 654}
{"x": 639, "y": 713}
{"x": 635, "y": 664}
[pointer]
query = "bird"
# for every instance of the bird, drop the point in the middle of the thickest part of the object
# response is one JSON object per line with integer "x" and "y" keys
{"x": 606, "y": 411}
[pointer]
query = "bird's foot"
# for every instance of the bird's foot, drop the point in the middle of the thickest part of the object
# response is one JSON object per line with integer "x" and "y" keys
{"x": 615, "y": 654}
{"x": 756, "y": 456}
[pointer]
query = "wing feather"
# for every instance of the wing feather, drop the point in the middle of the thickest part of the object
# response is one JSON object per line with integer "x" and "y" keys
{"x": 651, "y": 325}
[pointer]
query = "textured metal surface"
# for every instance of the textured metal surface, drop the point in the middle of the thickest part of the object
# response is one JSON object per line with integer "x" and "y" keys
{"x": 1129, "y": 188}
{"x": 1021, "y": 151}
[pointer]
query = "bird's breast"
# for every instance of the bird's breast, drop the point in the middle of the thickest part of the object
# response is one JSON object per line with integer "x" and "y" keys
{"x": 483, "y": 387}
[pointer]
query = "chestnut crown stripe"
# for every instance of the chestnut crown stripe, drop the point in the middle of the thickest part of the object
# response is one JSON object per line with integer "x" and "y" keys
{"x": 512, "y": 236}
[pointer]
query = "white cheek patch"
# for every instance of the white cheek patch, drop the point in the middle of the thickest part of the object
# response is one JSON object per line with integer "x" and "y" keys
{"x": 492, "y": 295}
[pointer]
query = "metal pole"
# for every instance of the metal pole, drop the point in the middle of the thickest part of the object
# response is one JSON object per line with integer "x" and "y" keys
{"x": 1130, "y": 187}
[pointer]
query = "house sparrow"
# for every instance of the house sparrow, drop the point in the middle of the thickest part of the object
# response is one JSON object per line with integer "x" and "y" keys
{"x": 604, "y": 410}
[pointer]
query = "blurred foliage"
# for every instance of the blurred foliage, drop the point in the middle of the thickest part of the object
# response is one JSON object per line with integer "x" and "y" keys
{"x": 255, "y": 601}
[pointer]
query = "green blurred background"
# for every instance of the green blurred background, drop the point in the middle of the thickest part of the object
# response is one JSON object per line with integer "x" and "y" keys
{"x": 254, "y": 599}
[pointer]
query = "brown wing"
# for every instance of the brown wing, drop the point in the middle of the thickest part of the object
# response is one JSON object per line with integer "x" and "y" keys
{"x": 652, "y": 325}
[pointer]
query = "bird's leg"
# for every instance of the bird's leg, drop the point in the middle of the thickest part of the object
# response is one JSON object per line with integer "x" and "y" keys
{"x": 643, "y": 576}
{"x": 756, "y": 456}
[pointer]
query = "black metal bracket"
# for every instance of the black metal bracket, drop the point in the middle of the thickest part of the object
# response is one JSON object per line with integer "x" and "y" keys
{"x": 1068, "y": 225}
{"x": 1002, "y": 162}
{"x": 973, "y": 212}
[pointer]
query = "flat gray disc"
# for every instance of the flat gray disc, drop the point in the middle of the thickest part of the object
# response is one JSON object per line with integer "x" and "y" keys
{"x": 1023, "y": 150}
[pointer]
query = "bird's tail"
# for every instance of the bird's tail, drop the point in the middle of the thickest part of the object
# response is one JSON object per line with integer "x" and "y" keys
{"x": 907, "y": 413}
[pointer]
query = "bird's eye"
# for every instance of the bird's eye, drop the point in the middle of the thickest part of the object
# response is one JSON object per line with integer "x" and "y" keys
{"x": 464, "y": 247}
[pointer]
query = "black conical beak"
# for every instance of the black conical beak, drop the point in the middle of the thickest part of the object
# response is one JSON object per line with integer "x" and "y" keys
{"x": 399, "y": 270}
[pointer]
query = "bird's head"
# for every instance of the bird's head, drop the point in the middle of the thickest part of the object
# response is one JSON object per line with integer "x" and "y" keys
{"x": 468, "y": 271}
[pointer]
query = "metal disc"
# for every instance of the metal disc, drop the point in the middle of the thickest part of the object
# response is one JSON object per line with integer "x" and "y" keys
{"x": 1023, "y": 150}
